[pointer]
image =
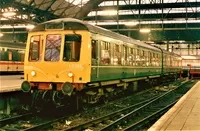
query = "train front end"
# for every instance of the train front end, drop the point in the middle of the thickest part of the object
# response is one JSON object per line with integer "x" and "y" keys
{"x": 57, "y": 59}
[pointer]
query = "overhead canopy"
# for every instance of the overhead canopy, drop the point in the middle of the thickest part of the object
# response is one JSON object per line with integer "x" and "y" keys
{"x": 167, "y": 19}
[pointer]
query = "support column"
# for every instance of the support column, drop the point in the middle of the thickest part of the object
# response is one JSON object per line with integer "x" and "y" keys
{"x": 7, "y": 106}
{"x": 167, "y": 45}
{"x": 135, "y": 86}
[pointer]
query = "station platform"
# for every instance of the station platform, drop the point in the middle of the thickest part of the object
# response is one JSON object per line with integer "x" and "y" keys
{"x": 10, "y": 83}
{"x": 184, "y": 115}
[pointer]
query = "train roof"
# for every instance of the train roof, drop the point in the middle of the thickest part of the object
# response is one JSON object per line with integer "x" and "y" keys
{"x": 81, "y": 25}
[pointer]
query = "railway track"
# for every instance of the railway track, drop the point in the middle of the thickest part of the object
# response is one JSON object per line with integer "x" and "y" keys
{"x": 107, "y": 117}
{"x": 111, "y": 121}
{"x": 136, "y": 116}
{"x": 5, "y": 121}
{"x": 140, "y": 117}
{"x": 30, "y": 121}
{"x": 27, "y": 122}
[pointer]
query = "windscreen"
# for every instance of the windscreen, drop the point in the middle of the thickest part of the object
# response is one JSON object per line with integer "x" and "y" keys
{"x": 35, "y": 50}
{"x": 72, "y": 47}
{"x": 52, "y": 48}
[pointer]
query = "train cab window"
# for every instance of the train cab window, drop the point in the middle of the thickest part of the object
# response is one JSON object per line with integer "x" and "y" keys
{"x": 105, "y": 53}
{"x": 52, "y": 47}
{"x": 72, "y": 48}
{"x": 35, "y": 50}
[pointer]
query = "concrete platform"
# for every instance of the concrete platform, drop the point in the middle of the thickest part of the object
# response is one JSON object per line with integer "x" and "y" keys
{"x": 10, "y": 83}
{"x": 184, "y": 115}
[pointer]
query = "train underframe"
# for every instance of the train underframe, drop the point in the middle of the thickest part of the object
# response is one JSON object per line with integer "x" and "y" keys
{"x": 93, "y": 93}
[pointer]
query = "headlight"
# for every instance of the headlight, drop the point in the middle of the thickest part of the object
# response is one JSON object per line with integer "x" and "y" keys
{"x": 33, "y": 73}
{"x": 70, "y": 74}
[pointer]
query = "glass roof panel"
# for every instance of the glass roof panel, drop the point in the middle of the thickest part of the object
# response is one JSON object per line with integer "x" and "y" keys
{"x": 77, "y": 2}
{"x": 132, "y": 2}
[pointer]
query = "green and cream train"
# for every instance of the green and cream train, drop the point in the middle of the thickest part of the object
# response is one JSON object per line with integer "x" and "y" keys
{"x": 68, "y": 56}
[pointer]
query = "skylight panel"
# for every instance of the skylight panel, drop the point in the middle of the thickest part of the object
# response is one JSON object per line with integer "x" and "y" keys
{"x": 77, "y": 2}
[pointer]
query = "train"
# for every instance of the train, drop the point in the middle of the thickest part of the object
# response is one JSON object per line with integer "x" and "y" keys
{"x": 67, "y": 59}
{"x": 11, "y": 58}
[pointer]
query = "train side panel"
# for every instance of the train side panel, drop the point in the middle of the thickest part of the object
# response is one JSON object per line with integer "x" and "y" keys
{"x": 135, "y": 61}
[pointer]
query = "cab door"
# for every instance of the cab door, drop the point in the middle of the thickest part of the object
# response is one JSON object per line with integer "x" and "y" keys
{"x": 95, "y": 60}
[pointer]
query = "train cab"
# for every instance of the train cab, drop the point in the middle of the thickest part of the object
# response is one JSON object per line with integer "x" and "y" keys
{"x": 57, "y": 56}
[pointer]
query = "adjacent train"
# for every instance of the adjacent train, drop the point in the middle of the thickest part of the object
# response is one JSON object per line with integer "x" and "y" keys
{"x": 68, "y": 58}
{"x": 11, "y": 59}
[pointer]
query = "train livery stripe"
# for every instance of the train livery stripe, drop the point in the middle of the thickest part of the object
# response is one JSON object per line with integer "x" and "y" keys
{"x": 11, "y": 63}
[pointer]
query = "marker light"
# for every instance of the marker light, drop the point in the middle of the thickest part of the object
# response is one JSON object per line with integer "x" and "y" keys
{"x": 145, "y": 30}
{"x": 33, "y": 73}
{"x": 70, "y": 74}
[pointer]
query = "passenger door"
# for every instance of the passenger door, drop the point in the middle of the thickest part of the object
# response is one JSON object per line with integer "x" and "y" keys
{"x": 95, "y": 60}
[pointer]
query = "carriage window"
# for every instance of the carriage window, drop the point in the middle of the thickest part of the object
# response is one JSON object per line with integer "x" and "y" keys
{"x": 35, "y": 50}
{"x": 150, "y": 58}
{"x": 117, "y": 54}
{"x": 146, "y": 58}
{"x": 72, "y": 48}
{"x": 165, "y": 60}
{"x": 10, "y": 55}
{"x": 125, "y": 55}
{"x": 142, "y": 58}
{"x": 52, "y": 49}
{"x": 154, "y": 59}
{"x": 22, "y": 57}
{"x": 138, "y": 57}
{"x": 131, "y": 56}
{"x": 159, "y": 60}
{"x": 105, "y": 53}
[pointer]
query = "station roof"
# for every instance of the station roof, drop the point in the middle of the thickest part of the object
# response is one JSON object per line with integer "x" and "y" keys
{"x": 167, "y": 19}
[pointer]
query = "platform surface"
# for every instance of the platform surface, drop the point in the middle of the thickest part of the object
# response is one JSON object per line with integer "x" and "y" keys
{"x": 184, "y": 115}
{"x": 10, "y": 83}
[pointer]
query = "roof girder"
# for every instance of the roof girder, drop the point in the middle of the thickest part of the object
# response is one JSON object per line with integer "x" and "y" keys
{"x": 149, "y": 6}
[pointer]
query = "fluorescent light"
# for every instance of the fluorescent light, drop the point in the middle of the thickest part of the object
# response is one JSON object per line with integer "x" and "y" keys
{"x": 30, "y": 26}
{"x": 127, "y": 23}
{"x": 109, "y": 12}
{"x": 17, "y": 26}
{"x": 144, "y": 22}
{"x": 1, "y": 34}
{"x": 8, "y": 14}
{"x": 130, "y": 23}
{"x": 145, "y": 30}
{"x": 77, "y": 2}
